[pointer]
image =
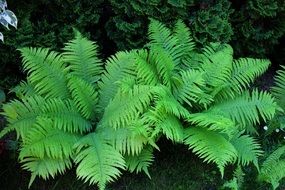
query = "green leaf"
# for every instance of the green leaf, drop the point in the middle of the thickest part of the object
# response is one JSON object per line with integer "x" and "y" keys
{"x": 98, "y": 161}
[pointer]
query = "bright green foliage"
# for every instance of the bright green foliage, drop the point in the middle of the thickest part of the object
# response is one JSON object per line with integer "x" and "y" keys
{"x": 273, "y": 168}
{"x": 57, "y": 107}
{"x": 98, "y": 161}
{"x": 278, "y": 90}
{"x": 199, "y": 97}
{"x": 71, "y": 110}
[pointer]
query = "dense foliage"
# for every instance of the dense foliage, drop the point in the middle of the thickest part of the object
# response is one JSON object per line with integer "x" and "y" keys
{"x": 71, "y": 110}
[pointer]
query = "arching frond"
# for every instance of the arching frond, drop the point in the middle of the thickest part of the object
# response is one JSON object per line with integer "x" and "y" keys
{"x": 213, "y": 122}
{"x": 188, "y": 88}
{"x": 185, "y": 40}
{"x": 46, "y": 167}
{"x": 24, "y": 89}
{"x": 273, "y": 168}
{"x": 248, "y": 149}
{"x": 46, "y": 72}
{"x": 245, "y": 71}
{"x": 279, "y": 88}
{"x": 247, "y": 108}
{"x": 210, "y": 146}
{"x": 126, "y": 106}
{"x": 167, "y": 103}
{"x": 118, "y": 67}
{"x": 169, "y": 125}
{"x": 22, "y": 115}
{"x": 217, "y": 64}
{"x": 146, "y": 69}
{"x": 43, "y": 140}
{"x": 82, "y": 57}
{"x": 98, "y": 162}
{"x": 140, "y": 162}
{"x": 65, "y": 116}
{"x": 164, "y": 65}
{"x": 161, "y": 36}
{"x": 84, "y": 95}
{"x": 130, "y": 139}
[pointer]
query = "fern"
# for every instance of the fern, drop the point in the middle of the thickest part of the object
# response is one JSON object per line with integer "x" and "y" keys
{"x": 210, "y": 146}
{"x": 46, "y": 70}
{"x": 248, "y": 149}
{"x": 279, "y": 89}
{"x": 273, "y": 168}
{"x": 118, "y": 67}
{"x": 98, "y": 162}
{"x": 44, "y": 140}
{"x": 22, "y": 115}
{"x": 82, "y": 57}
{"x": 84, "y": 95}
{"x": 71, "y": 111}
{"x": 140, "y": 162}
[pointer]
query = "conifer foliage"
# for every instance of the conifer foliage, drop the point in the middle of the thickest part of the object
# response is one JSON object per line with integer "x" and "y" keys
{"x": 71, "y": 110}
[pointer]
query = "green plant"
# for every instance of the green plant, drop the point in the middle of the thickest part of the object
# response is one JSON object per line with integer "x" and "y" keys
{"x": 261, "y": 23}
{"x": 54, "y": 118}
{"x": 199, "y": 99}
{"x": 273, "y": 168}
{"x": 129, "y": 20}
{"x": 69, "y": 112}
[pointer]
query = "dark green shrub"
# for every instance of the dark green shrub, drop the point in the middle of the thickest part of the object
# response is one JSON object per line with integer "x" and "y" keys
{"x": 260, "y": 24}
{"x": 209, "y": 21}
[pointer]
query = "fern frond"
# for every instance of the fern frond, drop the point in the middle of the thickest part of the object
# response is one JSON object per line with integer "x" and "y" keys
{"x": 246, "y": 108}
{"x": 65, "y": 116}
{"x": 118, "y": 67}
{"x": 140, "y": 162}
{"x": 185, "y": 40}
{"x": 248, "y": 149}
{"x": 22, "y": 115}
{"x": 146, "y": 69}
{"x": 84, "y": 95}
{"x": 164, "y": 65}
{"x": 213, "y": 122}
{"x": 279, "y": 88}
{"x": 46, "y": 72}
{"x": 126, "y": 106}
{"x": 188, "y": 88}
{"x": 210, "y": 146}
{"x": 245, "y": 71}
{"x": 273, "y": 168}
{"x": 217, "y": 64}
{"x": 160, "y": 35}
{"x": 43, "y": 140}
{"x": 130, "y": 139}
{"x": 166, "y": 123}
{"x": 82, "y": 57}
{"x": 98, "y": 161}
{"x": 45, "y": 167}
{"x": 24, "y": 89}
{"x": 168, "y": 103}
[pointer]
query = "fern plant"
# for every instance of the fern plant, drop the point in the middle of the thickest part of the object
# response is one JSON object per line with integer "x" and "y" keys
{"x": 56, "y": 115}
{"x": 70, "y": 110}
{"x": 199, "y": 99}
